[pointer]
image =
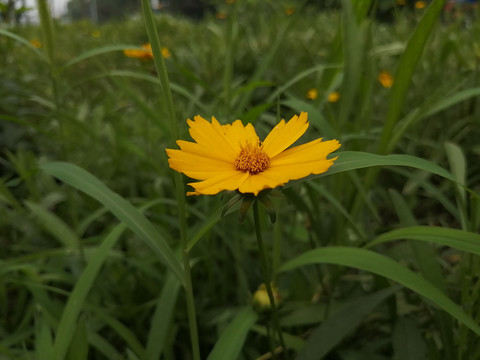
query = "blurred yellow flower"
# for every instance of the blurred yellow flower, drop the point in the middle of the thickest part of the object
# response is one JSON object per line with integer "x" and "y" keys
{"x": 312, "y": 94}
{"x": 35, "y": 43}
{"x": 289, "y": 10}
{"x": 231, "y": 157}
{"x": 261, "y": 301}
{"x": 96, "y": 33}
{"x": 165, "y": 52}
{"x": 220, "y": 15}
{"x": 386, "y": 79}
{"x": 146, "y": 52}
{"x": 401, "y": 2}
{"x": 420, "y": 4}
{"x": 334, "y": 96}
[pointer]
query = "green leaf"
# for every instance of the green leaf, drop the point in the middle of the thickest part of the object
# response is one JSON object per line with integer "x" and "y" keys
{"x": 162, "y": 317}
{"x": 98, "y": 51}
{"x": 121, "y": 208}
{"x": 24, "y": 42}
{"x": 352, "y": 160}
{"x": 381, "y": 265}
{"x": 342, "y": 322}
{"x": 230, "y": 343}
{"x": 56, "y": 226}
{"x": 457, "y": 239}
{"x": 408, "y": 343}
{"x": 76, "y": 300}
{"x": 406, "y": 68}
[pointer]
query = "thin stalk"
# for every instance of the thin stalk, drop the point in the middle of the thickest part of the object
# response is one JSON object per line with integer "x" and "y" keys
{"x": 267, "y": 278}
{"x": 179, "y": 188}
{"x": 47, "y": 30}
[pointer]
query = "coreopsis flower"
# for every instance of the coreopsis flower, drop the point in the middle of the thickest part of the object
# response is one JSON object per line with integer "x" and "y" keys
{"x": 401, "y": 2}
{"x": 333, "y": 97}
{"x": 312, "y": 94}
{"x": 35, "y": 43}
{"x": 96, "y": 33}
{"x": 220, "y": 15}
{"x": 386, "y": 79}
{"x": 231, "y": 157}
{"x": 420, "y": 4}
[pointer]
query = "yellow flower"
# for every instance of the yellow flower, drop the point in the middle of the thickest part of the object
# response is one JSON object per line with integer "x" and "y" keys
{"x": 401, "y": 2}
{"x": 231, "y": 157}
{"x": 420, "y": 4}
{"x": 312, "y": 94}
{"x": 289, "y": 10}
{"x": 333, "y": 96}
{"x": 96, "y": 33}
{"x": 37, "y": 44}
{"x": 165, "y": 52}
{"x": 220, "y": 15}
{"x": 261, "y": 301}
{"x": 144, "y": 54}
{"x": 386, "y": 79}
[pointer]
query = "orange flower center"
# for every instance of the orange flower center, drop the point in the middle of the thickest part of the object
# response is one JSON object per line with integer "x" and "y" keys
{"x": 252, "y": 159}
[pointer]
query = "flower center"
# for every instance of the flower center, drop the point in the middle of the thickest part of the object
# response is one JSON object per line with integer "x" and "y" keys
{"x": 252, "y": 159}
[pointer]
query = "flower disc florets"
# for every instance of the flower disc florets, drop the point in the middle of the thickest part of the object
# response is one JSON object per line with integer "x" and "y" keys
{"x": 252, "y": 159}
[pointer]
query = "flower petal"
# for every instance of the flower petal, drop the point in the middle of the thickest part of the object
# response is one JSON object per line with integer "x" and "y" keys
{"x": 285, "y": 134}
{"x": 298, "y": 171}
{"x": 193, "y": 165}
{"x": 312, "y": 151}
{"x": 240, "y": 135}
{"x": 258, "y": 182}
{"x": 231, "y": 180}
{"x": 202, "y": 150}
{"x": 211, "y": 135}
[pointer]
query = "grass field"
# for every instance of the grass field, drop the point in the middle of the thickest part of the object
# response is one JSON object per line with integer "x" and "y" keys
{"x": 102, "y": 256}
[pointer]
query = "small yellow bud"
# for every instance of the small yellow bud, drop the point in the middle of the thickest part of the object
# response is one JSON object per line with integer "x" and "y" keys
{"x": 261, "y": 301}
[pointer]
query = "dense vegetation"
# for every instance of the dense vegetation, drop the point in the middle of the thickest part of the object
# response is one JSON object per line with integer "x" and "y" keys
{"x": 376, "y": 259}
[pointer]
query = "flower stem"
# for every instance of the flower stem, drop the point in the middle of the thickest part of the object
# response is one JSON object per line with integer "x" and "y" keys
{"x": 267, "y": 278}
{"x": 179, "y": 187}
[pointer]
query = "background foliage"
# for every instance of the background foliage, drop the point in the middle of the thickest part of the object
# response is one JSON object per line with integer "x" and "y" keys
{"x": 82, "y": 271}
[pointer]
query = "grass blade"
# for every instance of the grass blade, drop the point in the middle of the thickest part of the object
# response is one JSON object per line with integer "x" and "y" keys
{"x": 405, "y": 70}
{"x": 333, "y": 329}
{"x": 381, "y": 265}
{"x": 121, "y": 208}
{"x": 231, "y": 341}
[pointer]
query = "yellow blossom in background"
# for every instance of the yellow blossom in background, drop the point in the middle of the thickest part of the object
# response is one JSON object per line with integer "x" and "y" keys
{"x": 220, "y": 15}
{"x": 35, "y": 43}
{"x": 96, "y": 33}
{"x": 231, "y": 157}
{"x": 333, "y": 97}
{"x": 229, "y": 1}
{"x": 386, "y": 79}
{"x": 261, "y": 301}
{"x": 165, "y": 52}
{"x": 312, "y": 94}
{"x": 401, "y": 2}
{"x": 420, "y": 4}
{"x": 289, "y": 10}
{"x": 144, "y": 54}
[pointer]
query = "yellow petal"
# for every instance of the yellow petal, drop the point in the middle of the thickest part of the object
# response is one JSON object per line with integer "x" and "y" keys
{"x": 231, "y": 180}
{"x": 312, "y": 151}
{"x": 240, "y": 135}
{"x": 256, "y": 183}
{"x": 285, "y": 134}
{"x": 188, "y": 163}
{"x": 211, "y": 135}
{"x": 201, "y": 150}
{"x": 298, "y": 171}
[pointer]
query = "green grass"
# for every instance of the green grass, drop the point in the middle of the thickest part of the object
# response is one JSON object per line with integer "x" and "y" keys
{"x": 378, "y": 258}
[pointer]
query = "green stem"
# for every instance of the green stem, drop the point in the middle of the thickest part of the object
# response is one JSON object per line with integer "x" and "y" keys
{"x": 267, "y": 278}
{"x": 179, "y": 187}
